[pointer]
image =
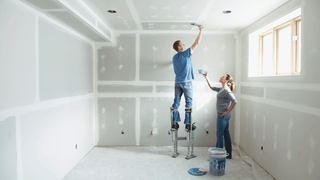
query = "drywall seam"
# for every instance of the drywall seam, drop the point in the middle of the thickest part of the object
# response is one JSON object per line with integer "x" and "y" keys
{"x": 135, "y": 82}
{"x": 204, "y": 13}
{"x": 41, "y": 106}
{"x": 18, "y": 145}
{"x": 295, "y": 86}
{"x": 130, "y": 94}
{"x": 95, "y": 103}
{"x": 238, "y": 92}
{"x": 137, "y": 56}
{"x": 134, "y": 14}
{"x": 51, "y": 20}
{"x": 146, "y": 83}
{"x": 285, "y": 105}
{"x": 37, "y": 100}
{"x": 187, "y": 32}
{"x": 137, "y": 121}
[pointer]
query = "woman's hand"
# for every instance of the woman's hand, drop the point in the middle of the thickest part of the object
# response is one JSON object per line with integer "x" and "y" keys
{"x": 205, "y": 75}
{"x": 223, "y": 114}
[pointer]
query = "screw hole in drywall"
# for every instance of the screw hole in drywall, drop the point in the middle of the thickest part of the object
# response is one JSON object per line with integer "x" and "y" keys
{"x": 122, "y": 132}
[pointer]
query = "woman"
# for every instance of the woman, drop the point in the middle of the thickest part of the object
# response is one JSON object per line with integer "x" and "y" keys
{"x": 225, "y": 103}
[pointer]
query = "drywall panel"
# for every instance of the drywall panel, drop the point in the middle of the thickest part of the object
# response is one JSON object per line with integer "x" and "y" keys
{"x": 163, "y": 11}
{"x": 156, "y": 54}
{"x": 295, "y": 96}
{"x": 123, "y": 20}
{"x": 289, "y": 139}
{"x": 165, "y": 89}
{"x": 155, "y": 118}
{"x": 310, "y": 41}
{"x": 155, "y": 121}
{"x": 117, "y": 124}
{"x": 54, "y": 140}
{"x": 166, "y": 26}
{"x": 118, "y": 62}
{"x": 124, "y": 89}
{"x": 252, "y": 91}
{"x": 17, "y": 56}
{"x": 215, "y": 53}
{"x": 65, "y": 63}
{"x": 8, "y": 149}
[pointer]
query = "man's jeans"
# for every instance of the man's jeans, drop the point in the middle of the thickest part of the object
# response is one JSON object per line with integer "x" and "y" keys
{"x": 179, "y": 89}
{"x": 223, "y": 131}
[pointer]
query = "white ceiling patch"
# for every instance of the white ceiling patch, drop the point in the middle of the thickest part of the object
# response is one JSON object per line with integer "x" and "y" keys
{"x": 134, "y": 14}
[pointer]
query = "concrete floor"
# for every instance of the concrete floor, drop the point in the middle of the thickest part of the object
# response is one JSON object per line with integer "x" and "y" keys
{"x": 156, "y": 163}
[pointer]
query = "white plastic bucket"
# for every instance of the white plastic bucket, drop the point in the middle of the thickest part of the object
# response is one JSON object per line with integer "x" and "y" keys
{"x": 217, "y": 161}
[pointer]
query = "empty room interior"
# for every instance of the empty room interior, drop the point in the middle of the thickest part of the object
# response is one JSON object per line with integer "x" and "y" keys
{"x": 87, "y": 88}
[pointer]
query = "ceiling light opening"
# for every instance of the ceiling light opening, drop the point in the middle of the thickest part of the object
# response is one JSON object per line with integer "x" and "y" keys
{"x": 112, "y": 11}
{"x": 227, "y": 12}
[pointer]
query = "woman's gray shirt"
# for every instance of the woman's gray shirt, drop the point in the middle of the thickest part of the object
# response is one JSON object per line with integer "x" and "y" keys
{"x": 224, "y": 98}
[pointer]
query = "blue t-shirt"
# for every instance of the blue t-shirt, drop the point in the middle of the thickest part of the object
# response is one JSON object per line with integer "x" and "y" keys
{"x": 182, "y": 65}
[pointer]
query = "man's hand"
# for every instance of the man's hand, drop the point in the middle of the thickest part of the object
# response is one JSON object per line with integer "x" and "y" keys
{"x": 200, "y": 28}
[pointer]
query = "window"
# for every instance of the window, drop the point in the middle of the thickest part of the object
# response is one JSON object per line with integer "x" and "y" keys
{"x": 278, "y": 49}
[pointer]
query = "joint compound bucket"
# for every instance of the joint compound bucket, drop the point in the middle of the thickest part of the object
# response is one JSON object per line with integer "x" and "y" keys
{"x": 217, "y": 161}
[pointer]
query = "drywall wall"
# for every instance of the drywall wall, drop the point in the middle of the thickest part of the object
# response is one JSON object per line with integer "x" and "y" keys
{"x": 135, "y": 87}
{"x": 62, "y": 65}
{"x": 17, "y": 56}
{"x": 282, "y": 113}
{"x": 46, "y": 95}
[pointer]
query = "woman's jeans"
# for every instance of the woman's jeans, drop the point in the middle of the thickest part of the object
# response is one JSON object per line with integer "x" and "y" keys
{"x": 223, "y": 132}
{"x": 179, "y": 89}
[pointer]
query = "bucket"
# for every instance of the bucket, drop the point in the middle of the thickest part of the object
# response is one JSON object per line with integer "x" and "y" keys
{"x": 217, "y": 161}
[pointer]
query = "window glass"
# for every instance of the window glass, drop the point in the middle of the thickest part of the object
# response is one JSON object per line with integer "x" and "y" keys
{"x": 284, "y": 51}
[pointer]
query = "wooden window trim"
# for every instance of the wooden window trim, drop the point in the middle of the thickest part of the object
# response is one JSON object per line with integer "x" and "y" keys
{"x": 295, "y": 69}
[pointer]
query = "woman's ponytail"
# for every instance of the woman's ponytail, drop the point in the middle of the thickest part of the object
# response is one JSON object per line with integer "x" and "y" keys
{"x": 230, "y": 82}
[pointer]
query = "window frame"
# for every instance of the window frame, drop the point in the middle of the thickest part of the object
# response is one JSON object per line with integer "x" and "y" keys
{"x": 295, "y": 54}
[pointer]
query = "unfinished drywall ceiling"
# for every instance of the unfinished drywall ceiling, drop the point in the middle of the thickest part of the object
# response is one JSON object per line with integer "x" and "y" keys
{"x": 177, "y": 15}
